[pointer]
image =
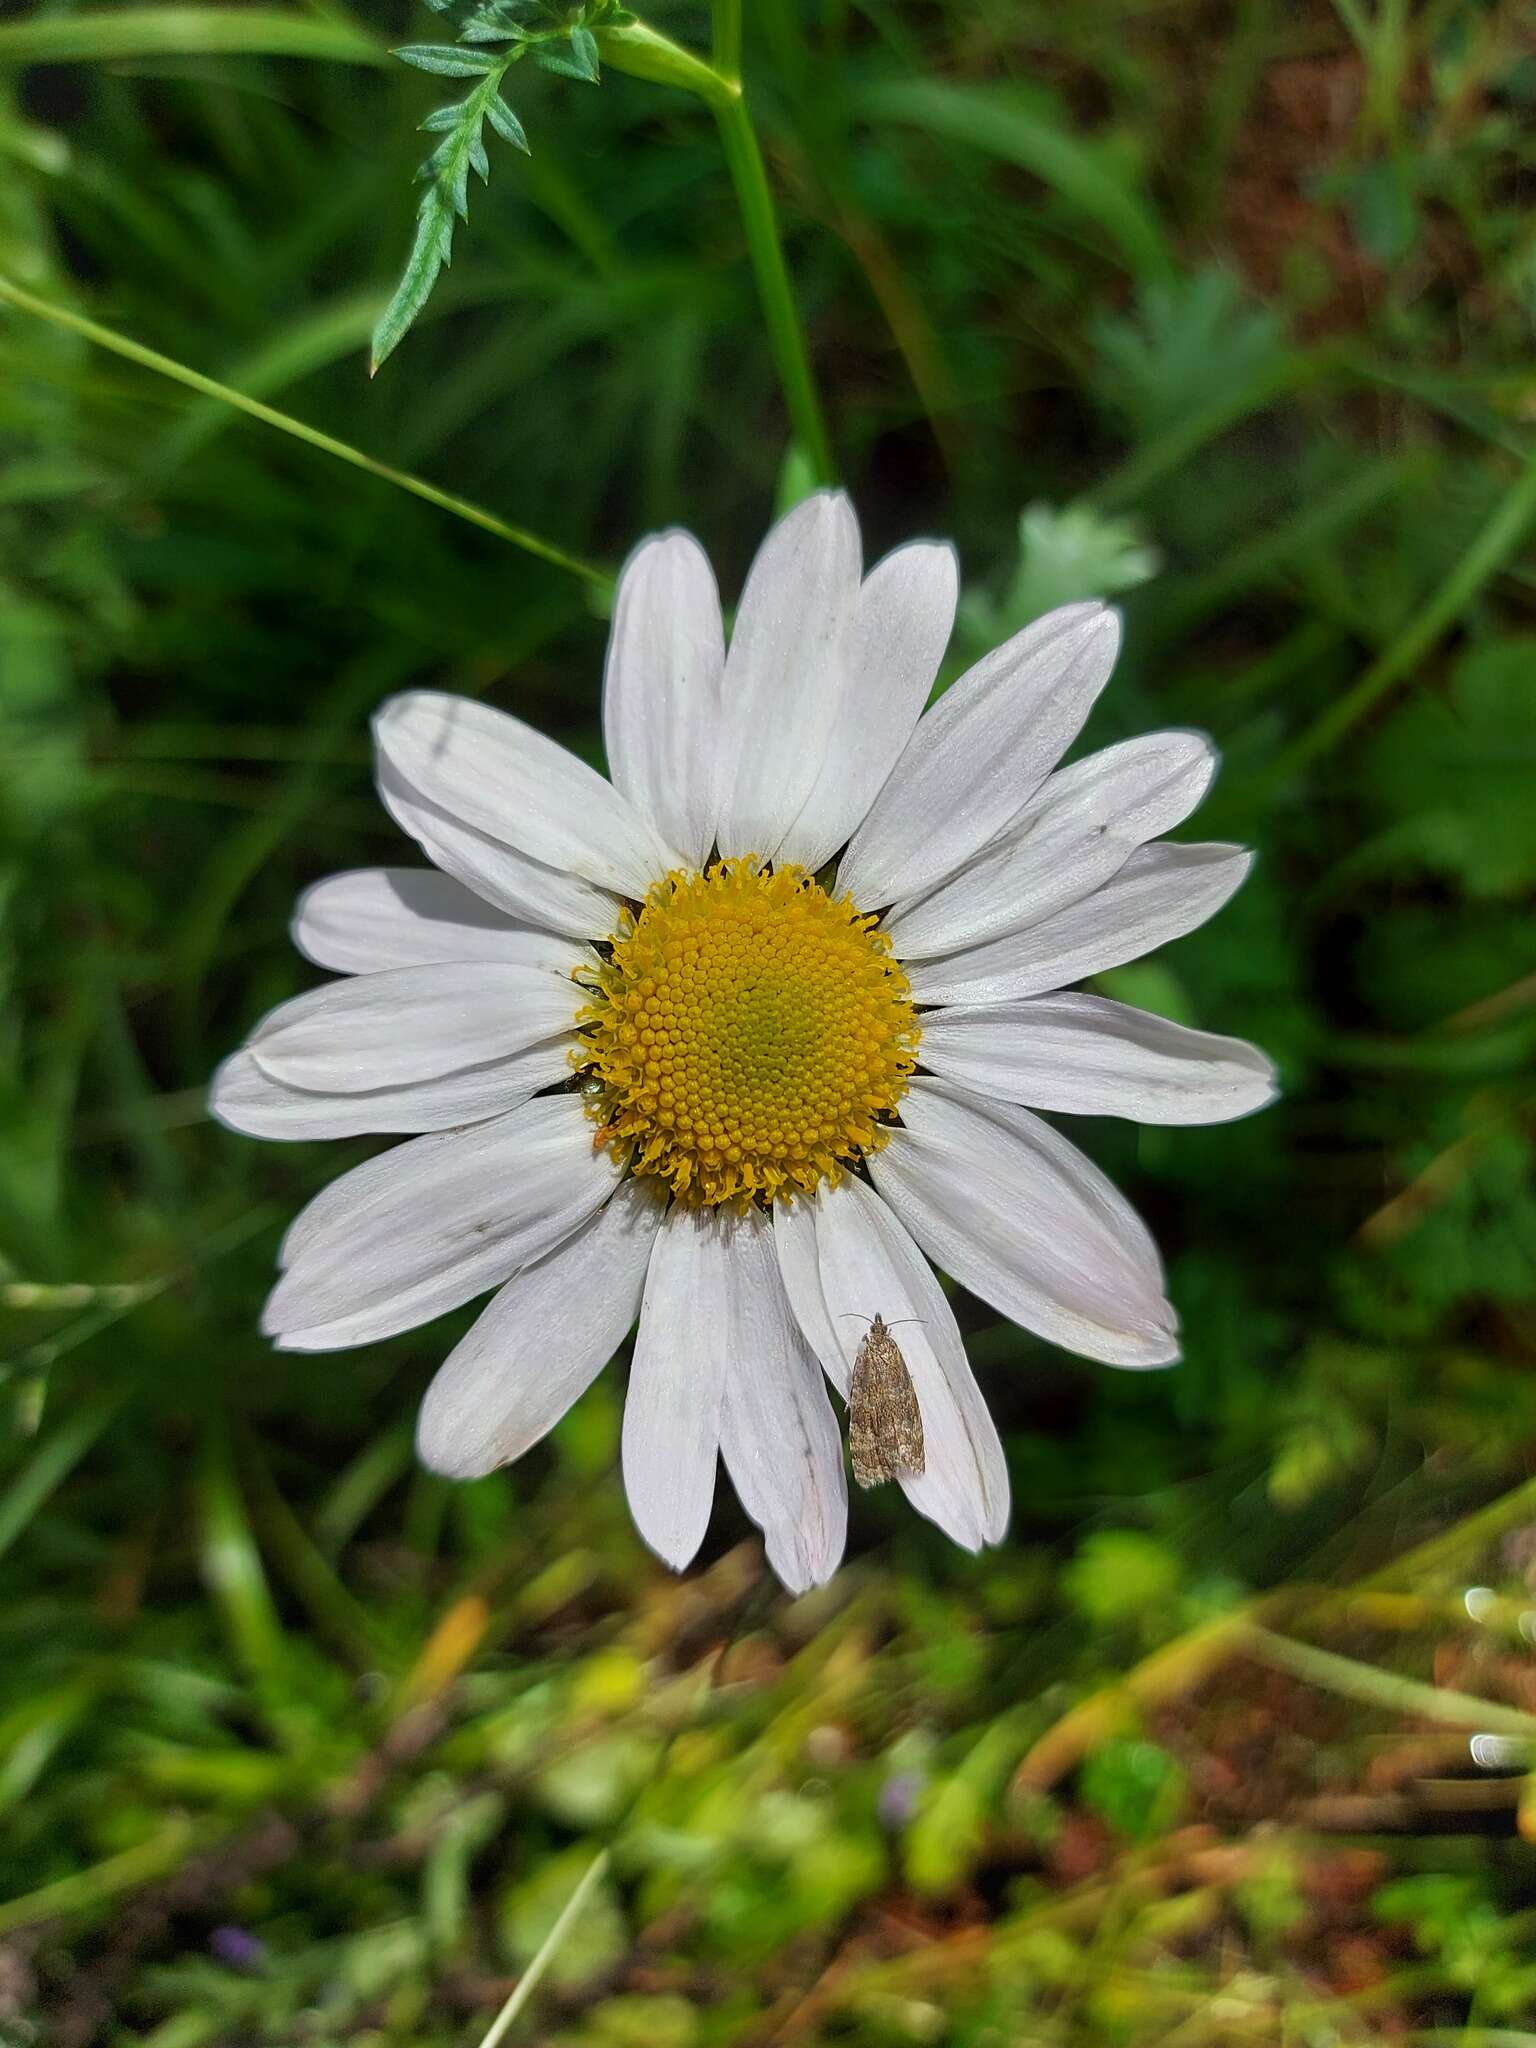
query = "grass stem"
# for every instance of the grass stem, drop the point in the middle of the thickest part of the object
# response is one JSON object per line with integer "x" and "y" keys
{"x": 16, "y": 295}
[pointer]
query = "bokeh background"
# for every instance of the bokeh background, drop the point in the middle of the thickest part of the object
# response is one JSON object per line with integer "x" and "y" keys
{"x": 1223, "y": 310}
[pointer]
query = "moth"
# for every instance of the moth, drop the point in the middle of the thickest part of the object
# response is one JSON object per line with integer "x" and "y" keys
{"x": 885, "y": 1424}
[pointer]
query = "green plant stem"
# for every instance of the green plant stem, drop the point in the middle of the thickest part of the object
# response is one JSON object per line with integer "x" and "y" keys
{"x": 643, "y": 53}
{"x": 744, "y": 158}
{"x": 527, "y": 1984}
{"x": 15, "y": 295}
{"x": 726, "y": 16}
{"x": 1497, "y": 541}
{"x": 1367, "y": 1682}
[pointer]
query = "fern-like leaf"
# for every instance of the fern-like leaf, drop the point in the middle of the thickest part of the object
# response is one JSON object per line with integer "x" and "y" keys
{"x": 555, "y": 36}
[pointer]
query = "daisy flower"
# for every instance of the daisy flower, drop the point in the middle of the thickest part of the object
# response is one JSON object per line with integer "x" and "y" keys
{"x": 732, "y": 1045}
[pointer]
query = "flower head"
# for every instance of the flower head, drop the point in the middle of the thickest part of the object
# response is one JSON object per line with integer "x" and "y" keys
{"x": 733, "y": 1043}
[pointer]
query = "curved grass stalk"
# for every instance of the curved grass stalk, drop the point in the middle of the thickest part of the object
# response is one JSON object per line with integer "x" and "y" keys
{"x": 12, "y": 294}
{"x": 528, "y": 1983}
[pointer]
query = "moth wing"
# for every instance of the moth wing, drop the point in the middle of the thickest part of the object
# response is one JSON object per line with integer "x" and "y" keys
{"x": 885, "y": 1423}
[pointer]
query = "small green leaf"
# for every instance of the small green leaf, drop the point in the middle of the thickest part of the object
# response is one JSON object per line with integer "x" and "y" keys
{"x": 445, "y": 60}
{"x": 441, "y": 118}
{"x": 562, "y": 66}
{"x": 1065, "y": 553}
{"x": 1138, "y": 1788}
{"x": 1385, "y": 217}
{"x": 584, "y": 50}
{"x": 506, "y": 124}
{"x": 429, "y": 251}
{"x": 1118, "y": 1575}
{"x": 1452, "y": 771}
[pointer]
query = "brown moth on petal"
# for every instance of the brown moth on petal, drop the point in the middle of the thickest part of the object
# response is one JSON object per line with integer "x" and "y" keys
{"x": 885, "y": 1424}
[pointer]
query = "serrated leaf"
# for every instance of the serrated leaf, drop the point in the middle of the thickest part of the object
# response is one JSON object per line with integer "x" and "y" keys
{"x": 562, "y": 66}
{"x": 447, "y": 60}
{"x": 1190, "y": 343}
{"x": 506, "y": 124}
{"x": 478, "y": 158}
{"x": 458, "y": 186}
{"x": 1066, "y": 552}
{"x": 428, "y": 254}
{"x": 1452, "y": 771}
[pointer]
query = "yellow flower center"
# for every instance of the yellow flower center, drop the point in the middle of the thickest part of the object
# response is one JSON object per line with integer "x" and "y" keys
{"x": 747, "y": 1034}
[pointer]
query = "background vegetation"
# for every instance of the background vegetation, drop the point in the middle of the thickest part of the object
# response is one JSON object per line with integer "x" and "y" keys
{"x": 1223, "y": 309}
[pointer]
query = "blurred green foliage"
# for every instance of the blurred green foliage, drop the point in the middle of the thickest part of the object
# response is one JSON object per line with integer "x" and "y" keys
{"x": 1224, "y": 310}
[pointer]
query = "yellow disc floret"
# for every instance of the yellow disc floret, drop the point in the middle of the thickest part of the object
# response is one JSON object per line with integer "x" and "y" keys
{"x": 747, "y": 1035}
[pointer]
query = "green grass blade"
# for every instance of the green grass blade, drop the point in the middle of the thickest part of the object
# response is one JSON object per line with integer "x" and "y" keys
{"x": 137, "y": 32}
{"x": 1027, "y": 132}
{"x": 50, "y": 1463}
{"x": 528, "y": 1983}
{"x": 180, "y": 373}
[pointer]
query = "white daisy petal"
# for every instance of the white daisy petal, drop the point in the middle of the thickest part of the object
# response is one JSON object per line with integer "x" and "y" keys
{"x": 509, "y": 880}
{"x": 1160, "y": 893}
{"x": 661, "y": 689}
{"x": 411, "y": 1024}
{"x": 866, "y": 1264}
{"x": 243, "y": 1098}
{"x": 672, "y": 1409}
{"x": 489, "y": 770}
{"x": 981, "y": 753}
{"x": 373, "y": 918}
{"x": 1018, "y": 1215}
{"x": 778, "y": 1435}
{"x": 1076, "y": 832}
{"x": 794, "y": 1244}
{"x": 785, "y": 672}
{"x": 1088, "y": 1056}
{"x": 541, "y": 1342}
{"x": 430, "y": 1224}
{"x": 905, "y": 613}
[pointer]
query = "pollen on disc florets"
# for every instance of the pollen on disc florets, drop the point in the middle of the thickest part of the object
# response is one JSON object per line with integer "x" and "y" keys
{"x": 747, "y": 1035}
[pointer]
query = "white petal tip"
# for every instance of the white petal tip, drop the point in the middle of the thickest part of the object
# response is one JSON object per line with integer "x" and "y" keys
{"x": 285, "y": 1336}
{"x": 223, "y": 1095}
{"x": 678, "y": 1554}
{"x": 1155, "y": 1356}
{"x": 453, "y": 1460}
{"x": 795, "y": 1572}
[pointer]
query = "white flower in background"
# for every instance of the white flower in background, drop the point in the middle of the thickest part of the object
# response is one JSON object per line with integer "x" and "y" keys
{"x": 669, "y": 1067}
